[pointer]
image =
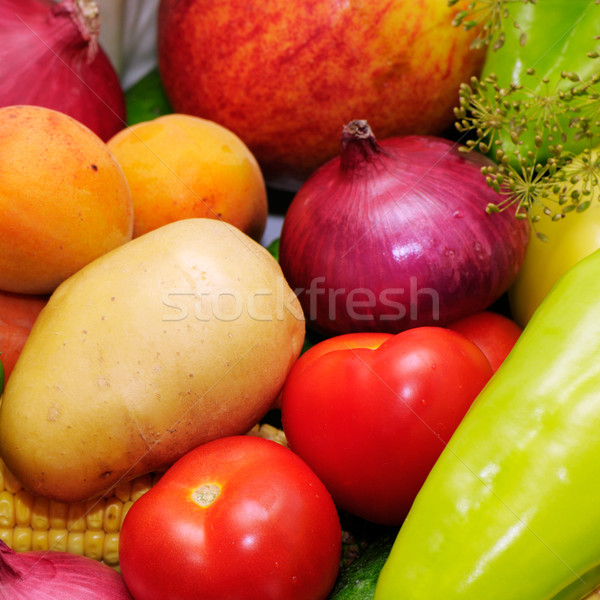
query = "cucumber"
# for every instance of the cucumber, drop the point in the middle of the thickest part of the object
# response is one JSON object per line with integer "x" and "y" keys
{"x": 357, "y": 580}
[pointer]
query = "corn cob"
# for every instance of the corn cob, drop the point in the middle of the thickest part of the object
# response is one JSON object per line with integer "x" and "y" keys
{"x": 89, "y": 528}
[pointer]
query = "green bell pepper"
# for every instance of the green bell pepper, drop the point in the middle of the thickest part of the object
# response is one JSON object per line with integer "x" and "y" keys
{"x": 511, "y": 510}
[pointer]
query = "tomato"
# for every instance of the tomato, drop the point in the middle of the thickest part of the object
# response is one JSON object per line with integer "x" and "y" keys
{"x": 371, "y": 421}
{"x": 351, "y": 340}
{"x": 18, "y": 313}
{"x": 348, "y": 341}
{"x": 495, "y": 334}
{"x": 239, "y": 517}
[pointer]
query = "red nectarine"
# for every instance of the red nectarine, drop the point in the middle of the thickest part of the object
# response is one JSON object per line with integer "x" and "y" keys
{"x": 286, "y": 76}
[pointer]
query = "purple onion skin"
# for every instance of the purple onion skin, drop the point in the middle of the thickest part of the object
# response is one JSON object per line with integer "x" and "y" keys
{"x": 48, "y": 575}
{"x": 49, "y": 56}
{"x": 394, "y": 234}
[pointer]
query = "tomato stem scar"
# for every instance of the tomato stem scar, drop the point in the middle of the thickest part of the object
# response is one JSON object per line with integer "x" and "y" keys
{"x": 206, "y": 494}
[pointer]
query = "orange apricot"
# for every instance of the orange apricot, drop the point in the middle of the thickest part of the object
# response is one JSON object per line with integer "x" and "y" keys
{"x": 64, "y": 199}
{"x": 179, "y": 167}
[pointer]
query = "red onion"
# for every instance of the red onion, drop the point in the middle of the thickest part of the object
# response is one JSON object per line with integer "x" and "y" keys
{"x": 395, "y": 234}
{"x": 49, "y": 56}
{"x": 48, "y": 575}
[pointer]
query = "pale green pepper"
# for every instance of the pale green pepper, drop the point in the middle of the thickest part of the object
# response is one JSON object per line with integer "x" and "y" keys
{"x": 511, "y": 510}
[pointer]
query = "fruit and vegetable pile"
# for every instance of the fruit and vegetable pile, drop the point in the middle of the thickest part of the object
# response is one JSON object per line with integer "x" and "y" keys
{"x": 397, "y": 398}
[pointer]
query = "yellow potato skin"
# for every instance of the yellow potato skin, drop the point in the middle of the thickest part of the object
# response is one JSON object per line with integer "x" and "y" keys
{"x": 180, "y": 336}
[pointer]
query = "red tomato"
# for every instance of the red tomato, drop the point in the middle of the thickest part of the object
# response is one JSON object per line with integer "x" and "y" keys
{"x": 239, "y": 517}
{"x": 494, "y": 333}
{"x": 18, "y": 313}
{"x": 348, "y": 341}
{"x": 351, "y": 340}
{"x": 371, "y": 422}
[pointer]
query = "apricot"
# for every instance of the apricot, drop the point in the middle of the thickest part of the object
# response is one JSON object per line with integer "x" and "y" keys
{"x": 64, "y": 199}
{"x": 180, "y": 167}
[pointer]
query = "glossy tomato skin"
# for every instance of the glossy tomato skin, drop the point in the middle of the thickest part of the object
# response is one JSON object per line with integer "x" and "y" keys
{"x": 495, "y": 334}
{"x": 348, "y": 341}
{"x": 363, "y": 339}
{"x": 372, "y": 422}
{"x": 272, "y": 532}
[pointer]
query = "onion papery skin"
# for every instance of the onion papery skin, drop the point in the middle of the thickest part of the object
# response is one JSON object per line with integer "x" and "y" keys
{"x": 394, "y": 234}
{"x": 51, "y": 575}
{"x": 50, "y": 57}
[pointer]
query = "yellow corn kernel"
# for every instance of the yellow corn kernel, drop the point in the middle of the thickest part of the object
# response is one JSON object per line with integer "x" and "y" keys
{"x": 269, "y": 432}
{"x": 112, "y": 515}
{"x": 57, "y": 539}
{"x": 21, "y": 539}
{"x": 7, "y": 509}
{"x": 40, "y": 515}
{"x": 122, "y": 490}
{"x": 75, "y": 543}
{"x": 59, "y": 512}
{"x": 39, "y": 540}
{"x": 126, "y": 506}
{"x": 6, "y": 535}
{"x": 140, "y": 485}
{"x": 110, "y": 552}
{"x": 93, "y": 544}
{"x": 24, "y": 502}
{"x": 91, "y": 528}
{"x": 76, "y": 516}
{"x": 94, "y": 514}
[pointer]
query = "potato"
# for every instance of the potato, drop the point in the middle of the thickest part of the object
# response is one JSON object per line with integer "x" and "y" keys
{"x": 180, "y": 336}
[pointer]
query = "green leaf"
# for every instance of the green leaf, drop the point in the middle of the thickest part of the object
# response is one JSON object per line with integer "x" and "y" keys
{"x": 273, "y": 249}
{"x": 147, "y": 99}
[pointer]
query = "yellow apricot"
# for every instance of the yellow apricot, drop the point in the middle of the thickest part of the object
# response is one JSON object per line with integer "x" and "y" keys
{"x": 180, "y": 167}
